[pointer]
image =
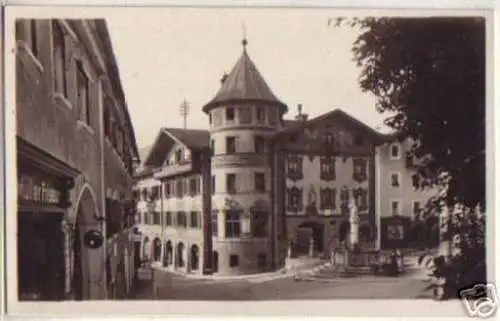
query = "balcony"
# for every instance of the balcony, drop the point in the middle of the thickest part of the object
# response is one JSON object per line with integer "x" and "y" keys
{"x": 173, "y": 170}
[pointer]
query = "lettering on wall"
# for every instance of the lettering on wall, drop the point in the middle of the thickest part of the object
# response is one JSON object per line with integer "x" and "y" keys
{"x": 38, "y": 189}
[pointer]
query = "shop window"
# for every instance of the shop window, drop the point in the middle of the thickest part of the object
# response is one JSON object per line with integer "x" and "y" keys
{"x": 233, "y": 260}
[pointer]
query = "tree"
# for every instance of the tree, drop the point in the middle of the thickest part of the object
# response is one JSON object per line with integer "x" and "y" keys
{"x": 429, "y": 74}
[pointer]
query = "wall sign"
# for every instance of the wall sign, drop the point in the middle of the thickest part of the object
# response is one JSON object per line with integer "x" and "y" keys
{"x": 35, "y": 188}
{"x": 93, "y": 239}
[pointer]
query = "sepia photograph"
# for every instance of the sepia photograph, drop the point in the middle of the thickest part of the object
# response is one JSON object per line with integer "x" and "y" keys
{"x": 249, "y": 154}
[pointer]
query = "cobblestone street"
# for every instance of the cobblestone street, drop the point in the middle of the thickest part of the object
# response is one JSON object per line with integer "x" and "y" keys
{"x": 173, "y": 287}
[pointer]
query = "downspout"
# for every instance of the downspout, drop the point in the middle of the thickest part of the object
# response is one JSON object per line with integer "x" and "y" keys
{"x": 274, "y": 236}
{"x": 103, "y": 187}
{"x": 378, "y": 208}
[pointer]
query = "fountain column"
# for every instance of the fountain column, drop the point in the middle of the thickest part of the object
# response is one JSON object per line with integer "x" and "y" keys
{"x": 354, "y": 223}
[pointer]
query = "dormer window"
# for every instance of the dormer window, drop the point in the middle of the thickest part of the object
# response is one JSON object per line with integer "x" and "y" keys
{"x": 229, "y": 114}
{"x": 395, "y": 151}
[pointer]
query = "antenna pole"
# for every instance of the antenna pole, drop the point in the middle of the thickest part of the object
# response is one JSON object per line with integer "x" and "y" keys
{"x": 184, "y": 109}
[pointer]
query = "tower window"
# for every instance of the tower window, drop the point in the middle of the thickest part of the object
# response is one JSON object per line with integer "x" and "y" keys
{"x": 260, "y": 182}
{"x": 259, "y": 144}
{"x": 229, "y": 114}
{"x": 261, "y": 115}
{"x": 230, "y": 145}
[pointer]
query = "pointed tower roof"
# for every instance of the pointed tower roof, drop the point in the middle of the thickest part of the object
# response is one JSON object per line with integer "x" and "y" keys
{"x": 244, "y": 83}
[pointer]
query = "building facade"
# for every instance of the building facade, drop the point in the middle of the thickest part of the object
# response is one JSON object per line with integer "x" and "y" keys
{"x": 264, "y": 185}
{"x": 75, "y": 150}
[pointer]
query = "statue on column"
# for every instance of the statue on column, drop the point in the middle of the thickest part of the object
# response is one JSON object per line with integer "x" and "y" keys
{"x": 354, "y": 223}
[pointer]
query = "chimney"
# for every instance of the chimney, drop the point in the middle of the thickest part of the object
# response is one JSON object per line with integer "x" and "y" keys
{"x": 300, "y": 116}
{"x": 223, "y": 79}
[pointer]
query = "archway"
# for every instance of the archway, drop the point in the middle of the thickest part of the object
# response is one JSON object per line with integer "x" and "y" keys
{"x": 344, "y": 230}
{"x": 365, "y": 233}
{"x": 85, "y": 220}
{"x": 215, "y": 261}
{"x": 304, "y": 233}
{"x": 195, "y": 257}
{"x": 167, "y": 257}
{"x": 179, "y": 257}
{"x": 145, "y": 249}
{"x": 157, "y": 249}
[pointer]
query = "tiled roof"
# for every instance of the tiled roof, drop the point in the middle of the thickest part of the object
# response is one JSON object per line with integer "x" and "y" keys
{"x": 244, "y": 82}
{"x": 192, "y": 138}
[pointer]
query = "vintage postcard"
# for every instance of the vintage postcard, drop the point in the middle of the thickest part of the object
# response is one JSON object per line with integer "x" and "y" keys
{"x": 258, "y": 161}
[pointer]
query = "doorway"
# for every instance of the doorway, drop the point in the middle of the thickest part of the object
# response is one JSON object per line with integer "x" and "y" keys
{"x": 307, "y": 230}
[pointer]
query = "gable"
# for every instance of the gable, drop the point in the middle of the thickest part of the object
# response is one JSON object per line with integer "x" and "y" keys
{"x": 334, "y": 132}
{"x": 159, "y": 150}
{"x": 178, "y": 154}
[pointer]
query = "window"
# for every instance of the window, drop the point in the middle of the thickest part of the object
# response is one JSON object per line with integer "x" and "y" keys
{"x": 168, "y": 219}
{"x": 327, "y": 198}
{"x": 294, "y": 167}
{"x": 213, "y": 184}
{"x": 395, "y": 152}
{"x": 260, "y": 182}
{"x": 181, "y": 219}
{"x": 329, "y": 139}
{"x": 230, "y": 145}
{"x": 259, "y": 144}
{"x": 83, "y": 94}
{"x": 193, "y": 186}
{"x": 361, "y": 198}
{"x": 415, "y": 181}
{"x": 245, "y": 115}
{"x": 179, "y": 190}
{"x": 215, "y": 223}
{"x": 210, "y": 118}
{"x": 259, "y": 223}
{"x": 417, "y": 208}
{"x": 344, "y": 198}
{"x": 212, "y": 147}
{"x": 231, "y": 183}
{"x": 327, "y": 171}
{"x": 261, "y": 115}
{"x": 233, "y": 228}
{"x": 178, "y": 156}
{"x": 59, "y": 57}
{"x": 194, "y": 220}
{"x": 233, "y": 260}
{"x": 156, "y": 218}
{"x": 395, "y": 180}
{"x": 168, "y": 191}
{"x": 198, "y": 185}
{"x": 294, "y": 198}
{"x": 229, "y": 114}
{"x": 395, "y": 208}
{"x": 358, "y": 140}
{"x": 360, "y": 173}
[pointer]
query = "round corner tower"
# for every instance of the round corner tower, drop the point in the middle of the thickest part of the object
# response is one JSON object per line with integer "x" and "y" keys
{"x": 243, "y": 115}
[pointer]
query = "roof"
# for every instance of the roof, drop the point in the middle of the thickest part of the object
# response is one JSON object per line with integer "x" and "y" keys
{"x": 244, "y": 83}
{"x": 192, "y": 138}
{"x": 295, "y": 126}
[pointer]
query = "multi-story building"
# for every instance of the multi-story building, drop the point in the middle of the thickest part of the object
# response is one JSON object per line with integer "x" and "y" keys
{"x": 75, "y": 150}
{"x": 259, "y": 185}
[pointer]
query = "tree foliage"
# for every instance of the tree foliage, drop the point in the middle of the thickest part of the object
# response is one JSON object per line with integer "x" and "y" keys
{"x": 429, "y": 75}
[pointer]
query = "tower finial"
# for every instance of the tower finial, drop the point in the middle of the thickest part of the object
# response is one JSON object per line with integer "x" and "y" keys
{"x": 244, "y": 42}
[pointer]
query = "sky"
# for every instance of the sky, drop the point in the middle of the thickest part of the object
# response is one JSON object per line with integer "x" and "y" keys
{"x": 166, "y": 55}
